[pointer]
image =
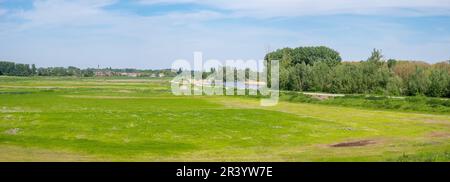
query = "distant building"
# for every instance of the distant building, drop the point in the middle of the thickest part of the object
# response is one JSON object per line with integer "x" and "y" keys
{"x": 130, "y": 74}
{"x": 103, "y": 73}
{"x": 161, "y": 75}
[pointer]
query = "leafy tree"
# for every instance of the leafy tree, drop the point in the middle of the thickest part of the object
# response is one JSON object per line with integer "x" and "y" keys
{"x": 33, "y": 69}
{"x": 73, "y": 71}
{"x": 394, "y": 86}
{"x": 438, "y": 83}
{"x": 418, "y": 82}
{"x": 7, "y": 68}
{"x": 296, "y": 65}
{"x": 376, "y": 56}
{"x": 347, "y": 78}
{"x": 321, "y": 77}
{"x": 22, "y": 70}
{"x": 87, "y": 73}
{"x": 284, "y": 78}
{"x": 391, "y": 63}
{"x": 307, "y": 55}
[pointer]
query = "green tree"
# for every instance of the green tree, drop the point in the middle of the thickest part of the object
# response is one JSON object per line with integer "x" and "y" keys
{"x": 418, "y": 82}
{"x": 347, "y": 78}
{"x": 307, "y": 55}
{"x": 438, "y": 83}
{"x": 376, "y": 57}
{"x": 285, "y": 83}
{"x": 321, "y": 77}
{"x": 22, "y": 70}
{"x": 394, "y": 86}
{"x": 33, "y": 69}
{"x": 7, "y": 68}
{"x": 391, "y": 63}
{"x": 299, "y": 77}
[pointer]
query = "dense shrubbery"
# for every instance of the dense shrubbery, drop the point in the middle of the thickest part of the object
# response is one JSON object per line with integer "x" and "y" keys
{"x": 416, "y": 103}
{"x": 319, "y": 69}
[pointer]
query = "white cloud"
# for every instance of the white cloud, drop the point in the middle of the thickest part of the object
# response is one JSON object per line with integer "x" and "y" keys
{"x": 90, "y": 12}
{"x": 3, "y": 12}
{"x": 167, "y": 1}
{"x": 61, "y": 11}
{"x": 274, "y": 8}
{"x": 84, "y": 33}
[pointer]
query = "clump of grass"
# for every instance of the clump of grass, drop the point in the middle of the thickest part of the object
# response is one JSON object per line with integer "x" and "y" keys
{"x": 297, "y": 97}
{"x": 424, "y": 157}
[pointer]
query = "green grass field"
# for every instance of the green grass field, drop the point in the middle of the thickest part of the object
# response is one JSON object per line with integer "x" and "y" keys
{"x": 96, "y": 119}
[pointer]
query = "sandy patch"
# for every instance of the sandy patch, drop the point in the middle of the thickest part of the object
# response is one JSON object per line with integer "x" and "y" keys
{"x": 13, "y": 131}
{"x": 16, "y": 109}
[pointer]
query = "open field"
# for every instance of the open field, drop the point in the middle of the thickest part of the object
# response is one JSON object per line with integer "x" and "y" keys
{"x": 95, "y": 119}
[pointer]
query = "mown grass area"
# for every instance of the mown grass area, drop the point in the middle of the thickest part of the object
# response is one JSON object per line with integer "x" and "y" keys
{"x": 116, "y": 119}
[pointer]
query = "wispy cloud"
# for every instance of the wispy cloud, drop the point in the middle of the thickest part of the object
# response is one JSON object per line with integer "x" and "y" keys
{"x": 62, "y": 11}
{"x": 3, "y": 12}
{"x": 87, "y": 32}
{"x": 92, "y": 12}
{"x": 276, "y": 8}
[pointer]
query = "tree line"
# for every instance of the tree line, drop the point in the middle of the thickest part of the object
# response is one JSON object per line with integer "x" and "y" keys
{"x": 18, "y": 69}
{"x": 320, "y": 69}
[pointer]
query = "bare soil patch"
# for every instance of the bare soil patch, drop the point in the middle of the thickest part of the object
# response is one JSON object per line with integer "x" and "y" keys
{"x": 437, "y": 121}
{"x": 439, "y": 135}
{"x": 354, "y": 143}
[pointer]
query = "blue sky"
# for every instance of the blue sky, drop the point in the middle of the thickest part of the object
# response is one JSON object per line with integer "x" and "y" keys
{"x": 154, "y": 33}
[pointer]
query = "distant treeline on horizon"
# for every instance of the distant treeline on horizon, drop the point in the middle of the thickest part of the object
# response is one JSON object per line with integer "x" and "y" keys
{"x": 8, "y": 68}
{"x": 313, "y": 69}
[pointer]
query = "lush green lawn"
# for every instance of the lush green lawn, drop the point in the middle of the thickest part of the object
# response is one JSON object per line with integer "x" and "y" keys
{"x": 71, "y": 119}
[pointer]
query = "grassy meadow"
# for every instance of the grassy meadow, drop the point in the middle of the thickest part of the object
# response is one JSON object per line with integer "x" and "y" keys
{"x": 117, "y": 119}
